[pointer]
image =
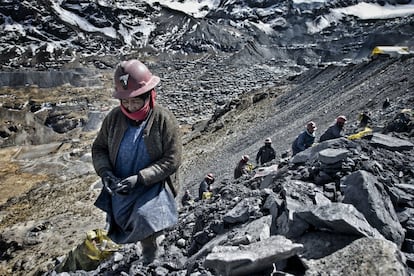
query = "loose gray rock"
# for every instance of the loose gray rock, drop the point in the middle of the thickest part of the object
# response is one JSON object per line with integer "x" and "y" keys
{"x": 332, "y": 156}
{"x": 246, "y": 260}
{"x": 242, "y": 211}
{"x": 339, "y": 218}
{"x": 368, "y": 195}
{"x": 391, "y": 143}
{"x": 365, "y": 256}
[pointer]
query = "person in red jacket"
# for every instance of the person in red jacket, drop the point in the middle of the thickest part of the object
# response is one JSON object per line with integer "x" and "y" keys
{"x": 241, "y": 168}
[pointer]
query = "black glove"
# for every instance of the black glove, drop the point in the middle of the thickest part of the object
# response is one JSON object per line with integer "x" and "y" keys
{"x": 110, "y": 181}
{"x": 126, "y": 185}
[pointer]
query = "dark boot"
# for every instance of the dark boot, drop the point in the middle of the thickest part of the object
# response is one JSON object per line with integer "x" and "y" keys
{"x": 149, "y": 249}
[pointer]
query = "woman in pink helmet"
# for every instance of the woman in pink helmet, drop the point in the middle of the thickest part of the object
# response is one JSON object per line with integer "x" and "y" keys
{"x": 137, "y": 153}
{"x": 334, "y": 131}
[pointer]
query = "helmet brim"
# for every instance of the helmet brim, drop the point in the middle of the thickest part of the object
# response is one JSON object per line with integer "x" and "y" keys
{"x": 131, "y": 93}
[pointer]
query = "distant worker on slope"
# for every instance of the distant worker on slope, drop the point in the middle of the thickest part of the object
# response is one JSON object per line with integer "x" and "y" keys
{"x": 205, "y": 186}
{"x": 187, "y": 199}
{"x": 334, "y": 131}
{"x": 266, "y": 153}
{"x": 364, "y": 119}
{"x": 305, "y": 139}
{"x": 242, "y": 167}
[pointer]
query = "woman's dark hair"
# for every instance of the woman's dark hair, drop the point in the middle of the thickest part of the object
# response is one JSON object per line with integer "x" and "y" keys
{"x": 145, "y": 95}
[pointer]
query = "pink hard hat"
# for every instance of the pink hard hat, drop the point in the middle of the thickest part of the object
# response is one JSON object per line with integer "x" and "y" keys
{"x": 132, "y": 78}
{"x": 210, "y": 176}
{"x": 341, "y": 119}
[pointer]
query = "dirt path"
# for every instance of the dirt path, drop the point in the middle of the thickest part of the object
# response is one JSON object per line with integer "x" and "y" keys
{"x": 13, "y": 182}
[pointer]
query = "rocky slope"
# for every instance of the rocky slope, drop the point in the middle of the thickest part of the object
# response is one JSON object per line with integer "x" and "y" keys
{"x": 47, "y": 205}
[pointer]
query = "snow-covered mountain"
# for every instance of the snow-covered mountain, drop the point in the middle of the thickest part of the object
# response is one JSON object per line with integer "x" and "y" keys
{"x": 47, "y": 34}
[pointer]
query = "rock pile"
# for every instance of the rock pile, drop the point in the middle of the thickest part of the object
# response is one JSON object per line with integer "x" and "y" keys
{"x": 341, "y": 207}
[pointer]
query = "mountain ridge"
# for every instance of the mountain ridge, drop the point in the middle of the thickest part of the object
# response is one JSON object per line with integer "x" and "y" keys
{"x": 52, "y": 34}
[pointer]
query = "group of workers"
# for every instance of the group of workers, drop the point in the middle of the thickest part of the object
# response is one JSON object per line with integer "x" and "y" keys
{"x": 205, "y": 190}
{"x": 307, "y": 138}
{"x": 267, "y": 153}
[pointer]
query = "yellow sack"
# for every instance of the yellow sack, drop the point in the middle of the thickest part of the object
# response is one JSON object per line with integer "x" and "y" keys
{"x": 87, "y": 256}
{"x": 359, "y": 135}
{"x": 207, "y": 195}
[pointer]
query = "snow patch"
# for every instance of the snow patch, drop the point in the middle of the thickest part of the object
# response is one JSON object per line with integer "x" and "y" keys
{"x": 195, "y": 8}
{"x": 374, "y": 11}
{"x": 364, "y": 11}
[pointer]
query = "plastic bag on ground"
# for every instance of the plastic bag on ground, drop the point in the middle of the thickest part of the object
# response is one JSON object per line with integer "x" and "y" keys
{"x": 95, "y": 248}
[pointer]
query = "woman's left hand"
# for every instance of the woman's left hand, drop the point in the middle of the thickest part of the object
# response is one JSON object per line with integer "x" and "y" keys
{"x": 127, "y": 184}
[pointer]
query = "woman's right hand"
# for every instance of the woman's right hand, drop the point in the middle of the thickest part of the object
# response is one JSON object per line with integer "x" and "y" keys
{"x": 110, "y": 181}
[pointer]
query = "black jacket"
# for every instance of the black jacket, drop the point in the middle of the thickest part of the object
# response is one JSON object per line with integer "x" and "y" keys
{"x": 265, "y": 154}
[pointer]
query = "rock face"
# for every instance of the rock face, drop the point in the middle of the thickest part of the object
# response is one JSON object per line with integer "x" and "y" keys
{"x": 51, "y": 78}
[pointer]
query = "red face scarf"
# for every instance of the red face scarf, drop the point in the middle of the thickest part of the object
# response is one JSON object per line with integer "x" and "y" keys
{"x": 142, "y": 113}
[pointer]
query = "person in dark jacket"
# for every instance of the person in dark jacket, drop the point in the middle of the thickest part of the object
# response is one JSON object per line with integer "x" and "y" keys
{"x": 364, "y": 119}
{"x": 242, "y": 167}
{"x": 187, "y": 198}
{"x": 266, "y": 153}
{"x": 305, "y": 139}
{"x": 136, "y": 153}
{"x": 334, "y": 131}
{"x": 205, "y": 185}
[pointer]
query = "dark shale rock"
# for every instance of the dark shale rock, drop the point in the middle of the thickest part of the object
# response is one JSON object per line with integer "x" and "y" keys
{"x": 339, "y": 218}
{"x": 391, "y": 143}
{"x": 325, "y": 242}
{"x": 368, "y": 195}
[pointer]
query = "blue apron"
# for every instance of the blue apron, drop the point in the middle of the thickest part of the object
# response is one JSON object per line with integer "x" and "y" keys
{"x": 145, "y": 210}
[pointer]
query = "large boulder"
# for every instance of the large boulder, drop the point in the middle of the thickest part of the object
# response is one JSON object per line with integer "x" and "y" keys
{"x": 365, "y": 256}
{"x": 367, "y": 194}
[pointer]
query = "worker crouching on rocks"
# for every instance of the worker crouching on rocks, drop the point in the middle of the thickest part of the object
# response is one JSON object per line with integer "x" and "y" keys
{"x": 335, "y": 130}
{"x": 305, "y": 139}
{"x": 136, "y": 153}
{"x": 242, "y": 167}
{"x": 205, "y": 188}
